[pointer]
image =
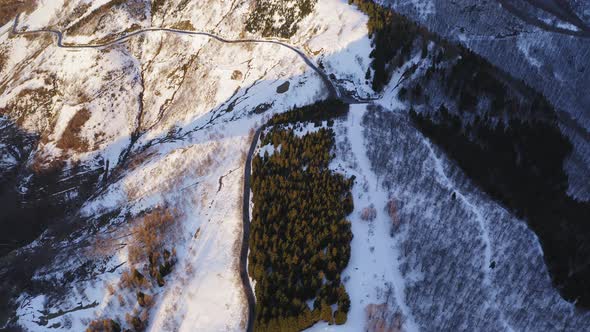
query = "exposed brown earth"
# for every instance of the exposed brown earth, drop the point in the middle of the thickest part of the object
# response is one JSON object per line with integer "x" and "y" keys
{"x": 70, "y": 139}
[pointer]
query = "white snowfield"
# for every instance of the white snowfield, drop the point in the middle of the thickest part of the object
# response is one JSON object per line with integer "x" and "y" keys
{"x": 193, "y": 103}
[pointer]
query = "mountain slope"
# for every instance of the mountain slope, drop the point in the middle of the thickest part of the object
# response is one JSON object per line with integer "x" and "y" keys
{"x": 129, "y": 159}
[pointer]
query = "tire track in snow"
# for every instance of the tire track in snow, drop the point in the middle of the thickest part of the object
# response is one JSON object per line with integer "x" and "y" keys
{"x": 378, "y": 196}
{"x": 484, "y": 235}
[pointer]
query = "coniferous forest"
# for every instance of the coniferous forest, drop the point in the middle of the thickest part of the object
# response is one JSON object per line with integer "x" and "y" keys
{"x": 300, "y": 237}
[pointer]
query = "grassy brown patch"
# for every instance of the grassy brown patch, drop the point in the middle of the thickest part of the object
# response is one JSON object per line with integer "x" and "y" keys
{"x": 103, "y": 325}
{"x": 70, "y": 139}
{"x": 149, "y": 235}
{"x": 147, "y": 244}
{"x": 184, "y": 25}
{"x": 29, "y": 101}
{"x": 3, "y": 58}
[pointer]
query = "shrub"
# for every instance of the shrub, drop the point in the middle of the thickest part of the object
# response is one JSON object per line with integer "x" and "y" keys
{"x": 184, "y": 25}
{"x": 144, "y": 300}
{"x": 10, "y": 8}
{"x": 369, "y": 213}
{"x": 103, "y": 325}
{"x": 133, "y": 279}
{"x": 263, "y": 17}
{"x": 134, "y": 321}
{"x": 392, "y": 211}
{"x": 149, "y": 235}
{"x": 340, "y": 317}
{"x": 70, "y": 138}
{"x": 157, "y": 6}
{"x": 96, "y": 14}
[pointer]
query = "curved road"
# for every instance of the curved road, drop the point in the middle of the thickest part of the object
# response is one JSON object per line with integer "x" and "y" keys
{"x": 333, "y": 91}
{"x": 246, "y": 232}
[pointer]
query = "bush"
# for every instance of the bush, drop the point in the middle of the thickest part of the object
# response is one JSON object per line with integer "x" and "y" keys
{"x": 369, "y": 213}
{"x": 144, "y": 300}
{"x": 103, "y": 325}
{"x": 340, "y": 317}
{"x": 70, "y": 138}
{"x": 133, "y": 279}
{"x": 392, "y": 212}
{"x": 149, "y": 234}
{"x": 10, "y": 8}
{"x": 95, "y": 15}
{"x": 262, "y": 18}
{"x": 134, "y": 321}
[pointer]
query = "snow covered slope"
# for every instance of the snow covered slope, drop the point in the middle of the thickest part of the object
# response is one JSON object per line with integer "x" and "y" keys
{"x": 508, "y": 34}
{"x": 163, "y": 120}
{"x": 439, "y": 255}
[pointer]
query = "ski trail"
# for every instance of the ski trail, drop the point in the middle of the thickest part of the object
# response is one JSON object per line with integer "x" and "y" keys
{"x": 485, "y": 236}
{"x": 376, "y": 257}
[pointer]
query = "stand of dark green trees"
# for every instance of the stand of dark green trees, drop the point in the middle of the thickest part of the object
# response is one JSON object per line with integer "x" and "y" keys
{"x": 300, "y": 238}
{"x": 393, "y": 37}
{"x": 320, "y": 111}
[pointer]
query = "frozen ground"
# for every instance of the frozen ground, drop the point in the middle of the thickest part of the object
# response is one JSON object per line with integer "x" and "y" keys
{"x": 552, "y": 63}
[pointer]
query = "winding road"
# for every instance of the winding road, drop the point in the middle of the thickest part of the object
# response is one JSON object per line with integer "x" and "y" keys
{"x": 246, "y": 233}
{"x": 333, "y": 91}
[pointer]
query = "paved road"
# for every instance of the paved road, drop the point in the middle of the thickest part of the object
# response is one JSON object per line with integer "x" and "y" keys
{"x": 246, "y": 233}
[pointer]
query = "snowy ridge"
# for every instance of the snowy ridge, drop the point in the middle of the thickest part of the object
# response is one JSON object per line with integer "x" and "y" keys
{"x": 173, "y": 116}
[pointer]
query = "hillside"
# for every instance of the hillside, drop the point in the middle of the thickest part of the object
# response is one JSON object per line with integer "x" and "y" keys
{"x": 281, "y": 165}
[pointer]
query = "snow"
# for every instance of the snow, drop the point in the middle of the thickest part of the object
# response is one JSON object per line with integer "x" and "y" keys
{"x": 446, "y": 243}
{"x": 196, "y": 124}
{"x": 389, "y": 97}
{"x": 560, "y": 24}
{"x": 42, "y": 16}
{"x": 524, "y": 45}
{"x": 268, "y": 149}
{"x": 204, "y": 291}
{"x": 336, "y": 34}
{"x": 372, "y": 251}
